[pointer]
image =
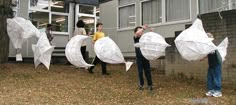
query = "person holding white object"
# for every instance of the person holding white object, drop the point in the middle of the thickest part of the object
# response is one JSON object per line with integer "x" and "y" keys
{"x": 142, "y": 63}
{"x": 214, "y": 73}
{"x": 98, "y": 35}
{"x": 49, "y": 33}
{"x": 80, "y": 30}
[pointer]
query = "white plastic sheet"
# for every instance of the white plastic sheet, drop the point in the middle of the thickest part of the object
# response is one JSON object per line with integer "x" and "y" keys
{"x": 42, "y": 51}
{"x": 222, "y": 48}
{"x": 73, "y": 51}
{"x": 20, "y": 30}
{"x": 107, "y": 51}
{"x": 194, "y": 44}
{"x": 152, "y": 45}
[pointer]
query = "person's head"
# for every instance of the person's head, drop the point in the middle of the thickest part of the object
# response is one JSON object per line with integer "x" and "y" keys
{"x": 210, "y": 35}
{"x": 138, "y": 30}
{"x": 99, "y": 26}
{"x": 80, "y": 24}
{"x": 49, "y": 26}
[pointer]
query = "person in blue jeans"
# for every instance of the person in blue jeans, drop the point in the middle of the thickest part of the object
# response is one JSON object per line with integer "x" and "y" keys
{"x": 214, "y": 73}
{"x": 142, "y": 63}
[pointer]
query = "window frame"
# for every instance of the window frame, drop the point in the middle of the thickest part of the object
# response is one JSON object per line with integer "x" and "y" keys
{"x": 118, "y": 18}
{"x": 141, "y": 13}
{"x": 164, "y": 20}
{"x": 53, "y": 13}
{"x": 214, "y": 10}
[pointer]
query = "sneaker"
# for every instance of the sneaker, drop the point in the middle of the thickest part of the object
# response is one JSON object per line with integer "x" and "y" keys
{"x": 105, "y": 73}
{"x": 210, "y": 93}
{"x": 140, "y": 88}
{"x": 217, "y": 94}
{"x": 150, "y": 88}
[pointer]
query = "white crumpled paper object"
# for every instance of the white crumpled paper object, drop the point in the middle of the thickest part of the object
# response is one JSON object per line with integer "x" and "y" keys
{"x": 152, "y": 45}
{"x": 194, "y": 44}
{"x": 107, "y": 51}
{"x": 73, "y": 51}
{"x": 42, "y": 51}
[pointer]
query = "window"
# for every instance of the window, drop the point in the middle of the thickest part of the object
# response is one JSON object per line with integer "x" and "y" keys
{"x": 39, "y": 19}
{"x": 55, "y": 12}
{"x": 59, "y": 23}
{"x": 206, "y": 6}
{"x": 177, "y": 10}
{"x": 233, "y": 3}
{"x": 39, "y": 4}
{"x": 86, "y": 9}
{"x": 151, "y": 12}
{"x": 59, "y": 6}
{"x": 127, "y": 16}
{"x": 89, "y": 15}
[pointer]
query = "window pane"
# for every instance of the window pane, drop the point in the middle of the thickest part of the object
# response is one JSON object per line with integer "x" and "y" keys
{"x": 213, "y": 5}
{"x": 151, "y": 12}
{"x": 177, "y": 10}
{"x": 233, "y": 4}
{"x": 60, "y": 23}
{"x": 89, "y": 23}
{"x": 59, "y": 6}
{"x": 39, "y": 19}
{"x": 39, "y": 4}
{"x": 127, "y": 16}
{"x": 86, "y": 9}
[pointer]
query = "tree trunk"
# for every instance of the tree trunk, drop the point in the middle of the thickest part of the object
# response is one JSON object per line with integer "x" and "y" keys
{"x": 5, "y": 12}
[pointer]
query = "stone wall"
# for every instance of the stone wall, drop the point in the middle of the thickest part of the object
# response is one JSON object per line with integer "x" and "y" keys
{"x": 220, "y": 28}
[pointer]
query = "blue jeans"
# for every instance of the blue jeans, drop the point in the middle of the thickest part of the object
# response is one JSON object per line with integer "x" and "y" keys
{"x": 143, "y": 65}
{"x": 214, "y": 78}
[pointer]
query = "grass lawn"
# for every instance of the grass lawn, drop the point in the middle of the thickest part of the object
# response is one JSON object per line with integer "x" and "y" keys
{"x": 21, "y": 83}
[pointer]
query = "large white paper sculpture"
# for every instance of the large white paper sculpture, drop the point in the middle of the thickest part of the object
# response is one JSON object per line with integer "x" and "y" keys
{"x": 222, "y": 48}
{"x": 194, "y": 44}
{"x": 20, "y": 30}
{"x": 107, "y": 51}
{"x": 73, "y": 51}
{"x": 42, "y": 51}
{"x": 152, "y": 45}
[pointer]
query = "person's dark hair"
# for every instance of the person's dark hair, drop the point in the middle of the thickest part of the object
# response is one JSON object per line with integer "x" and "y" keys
{"x": 98, "y": 24}
{"x": 136, "y": 28}
{"x": 80, "y": 24}
{"x": 49, "y": 25}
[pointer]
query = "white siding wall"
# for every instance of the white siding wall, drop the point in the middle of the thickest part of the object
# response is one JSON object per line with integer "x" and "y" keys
{"x": 124, "y": 38}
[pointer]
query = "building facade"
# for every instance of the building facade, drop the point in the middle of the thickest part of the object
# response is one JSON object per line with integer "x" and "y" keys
{"x": 169, "y": 18}
{"x": 62, "y": 14}
{"x": 120, "y": 17}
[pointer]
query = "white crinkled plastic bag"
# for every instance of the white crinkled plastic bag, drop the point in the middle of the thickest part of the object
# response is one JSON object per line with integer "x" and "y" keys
{"x": 193, "y": 43}
{"x": 222, "y": 48}
{"x": 42, "y": 51}
{"x": 152, "y": 45}
{"x": 20, "y": 30}
{"x": 73, "y": 51}
{"x": 15, "y": 31}
{"x": 107, "y": 51}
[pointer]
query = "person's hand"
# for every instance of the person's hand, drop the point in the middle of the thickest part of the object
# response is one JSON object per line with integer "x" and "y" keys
{"x": 89, "y": 33}
{"x": 145, "y": 26}
{"x": 150, "y": 29}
